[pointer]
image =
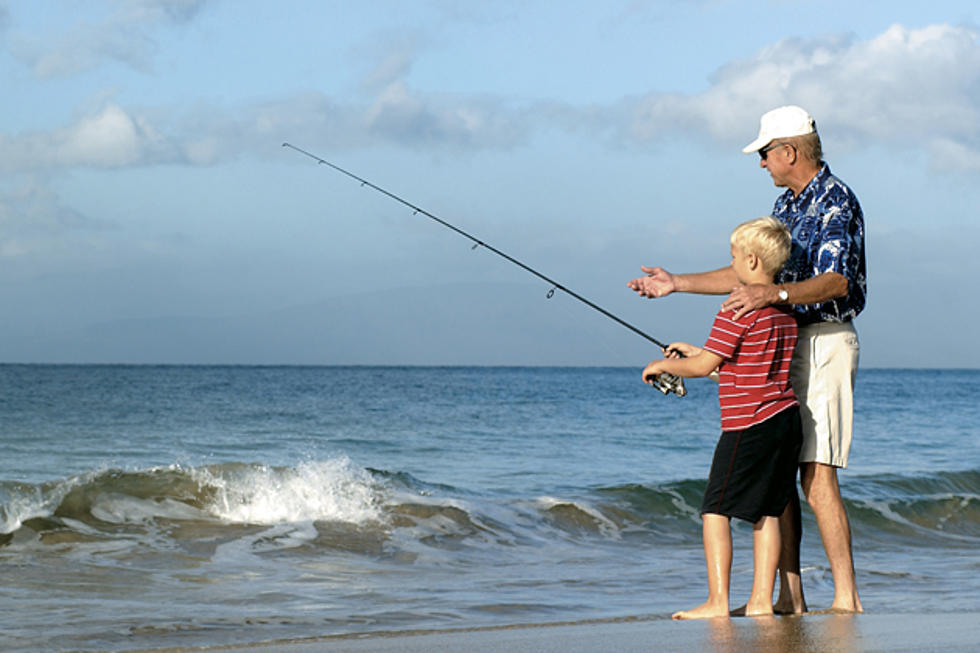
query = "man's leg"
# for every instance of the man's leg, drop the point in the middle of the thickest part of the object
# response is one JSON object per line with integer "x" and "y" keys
{"x": 790, "y": 599}
{"x": 822, "y": 491}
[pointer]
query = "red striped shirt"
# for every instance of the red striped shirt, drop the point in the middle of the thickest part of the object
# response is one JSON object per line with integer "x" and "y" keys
{"x": 754, "y": 373}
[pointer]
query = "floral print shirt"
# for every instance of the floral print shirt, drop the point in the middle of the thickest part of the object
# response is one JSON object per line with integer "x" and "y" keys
{"x": 828, "y": 236}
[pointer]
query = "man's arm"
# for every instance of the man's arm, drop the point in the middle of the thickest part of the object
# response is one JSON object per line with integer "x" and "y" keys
{"x": 815, "y": 290}
{"x": 660, "y": 283}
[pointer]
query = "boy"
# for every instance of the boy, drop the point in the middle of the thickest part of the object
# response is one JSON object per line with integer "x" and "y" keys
{"x": 753, "y": 472}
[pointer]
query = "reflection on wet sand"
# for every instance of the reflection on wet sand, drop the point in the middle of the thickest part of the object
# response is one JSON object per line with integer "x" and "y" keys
{"x": 786, "y": 633}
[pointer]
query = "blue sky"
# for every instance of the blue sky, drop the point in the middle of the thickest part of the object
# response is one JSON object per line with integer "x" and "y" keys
{"x": 149, "y": 213}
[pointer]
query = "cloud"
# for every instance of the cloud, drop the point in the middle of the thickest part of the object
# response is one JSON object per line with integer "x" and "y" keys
{"x": 33, "y": 218}
{"x": 401, "y": 115}
{"x": 112, "y": 136}
{"x": 124, "y": 36}
{"x": 109, "y": 138}
{"x": 392, "y": 56}
{"x": 905, "y": 86}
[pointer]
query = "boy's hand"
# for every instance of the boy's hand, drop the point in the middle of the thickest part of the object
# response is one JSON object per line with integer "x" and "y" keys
{"x": 679, "y": 349}
{"x": 651, "y": 372}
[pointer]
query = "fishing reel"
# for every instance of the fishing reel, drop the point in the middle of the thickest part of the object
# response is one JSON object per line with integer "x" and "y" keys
{"x": 667, "y": 383}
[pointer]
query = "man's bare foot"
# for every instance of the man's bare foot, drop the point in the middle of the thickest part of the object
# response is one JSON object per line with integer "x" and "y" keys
{"x": 788, "y": 608}
{"x": 706, "y": 610}
{"x": 833, "y": 610}
{"x": 776, "y": 609}
{"x": 790, "y": 598}
{"x": 762, "y": 610}
{"x": 847, "y": 607}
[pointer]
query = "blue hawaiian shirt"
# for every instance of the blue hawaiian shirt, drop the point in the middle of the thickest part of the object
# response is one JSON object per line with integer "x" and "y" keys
{"x": 828, "y": 236}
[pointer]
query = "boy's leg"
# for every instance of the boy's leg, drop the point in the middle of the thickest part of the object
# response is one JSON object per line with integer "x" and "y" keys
{"x": 790, "y": 599}
{"x": 765, "y": 554}
{"x": 717, "y": 535}
{"x": 823, "y": 494}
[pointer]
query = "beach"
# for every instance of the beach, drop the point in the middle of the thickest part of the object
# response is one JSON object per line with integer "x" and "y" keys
{"x": 827, "y": 633}
{"x": 147, "y": 508}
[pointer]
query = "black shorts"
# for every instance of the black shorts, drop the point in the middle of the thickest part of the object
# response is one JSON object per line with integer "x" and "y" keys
{"x": 753, "y": 473}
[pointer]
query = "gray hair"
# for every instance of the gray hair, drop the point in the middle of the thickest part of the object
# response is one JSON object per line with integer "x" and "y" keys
{"x": 808, "y": 146}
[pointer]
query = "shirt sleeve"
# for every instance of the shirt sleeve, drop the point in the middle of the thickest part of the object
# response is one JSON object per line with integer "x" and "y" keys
{"x": 725, "y": 336}
{"x": 837, "y": 237}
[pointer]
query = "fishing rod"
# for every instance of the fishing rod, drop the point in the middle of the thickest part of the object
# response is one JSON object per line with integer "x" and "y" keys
{"x": 665, "y": 382}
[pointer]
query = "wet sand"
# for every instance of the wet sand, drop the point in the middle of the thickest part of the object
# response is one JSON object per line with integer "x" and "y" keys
{"x": 827, "y": 633}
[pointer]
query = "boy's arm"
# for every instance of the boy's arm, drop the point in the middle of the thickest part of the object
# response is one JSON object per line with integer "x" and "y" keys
{"x": 702, "y": 363}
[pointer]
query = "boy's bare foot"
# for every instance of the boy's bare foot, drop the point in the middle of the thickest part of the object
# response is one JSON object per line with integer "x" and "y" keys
{"x": 706, "y": 610}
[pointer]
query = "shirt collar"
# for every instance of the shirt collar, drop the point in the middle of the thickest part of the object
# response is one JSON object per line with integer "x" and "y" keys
{"x": 818, "y": 180}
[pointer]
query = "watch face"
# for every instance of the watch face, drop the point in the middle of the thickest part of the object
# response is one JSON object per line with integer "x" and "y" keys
{"x": 783, "y": 295}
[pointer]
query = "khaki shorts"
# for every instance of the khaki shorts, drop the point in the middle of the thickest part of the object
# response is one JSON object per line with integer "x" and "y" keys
{"x": 823, "y": 371}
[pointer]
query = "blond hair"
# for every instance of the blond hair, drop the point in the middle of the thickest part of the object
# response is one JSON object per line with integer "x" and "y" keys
{"x": 767, "y": 238}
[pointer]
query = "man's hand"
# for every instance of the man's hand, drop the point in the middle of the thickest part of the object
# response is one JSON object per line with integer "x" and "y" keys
{"x": 657, "y": 283}
{"x": 745, "y": 299}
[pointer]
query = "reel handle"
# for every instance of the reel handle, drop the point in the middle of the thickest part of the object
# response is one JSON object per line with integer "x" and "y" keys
{"x": 667, "y": 383}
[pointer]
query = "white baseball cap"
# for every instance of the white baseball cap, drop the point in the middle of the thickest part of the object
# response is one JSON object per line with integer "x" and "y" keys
{"x": 781, "y": 123}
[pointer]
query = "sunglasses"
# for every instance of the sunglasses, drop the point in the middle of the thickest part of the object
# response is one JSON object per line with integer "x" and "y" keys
{"x": 764, "y": 152}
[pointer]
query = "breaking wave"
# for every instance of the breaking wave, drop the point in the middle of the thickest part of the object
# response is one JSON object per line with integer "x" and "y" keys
{"x": 353, "y": 508}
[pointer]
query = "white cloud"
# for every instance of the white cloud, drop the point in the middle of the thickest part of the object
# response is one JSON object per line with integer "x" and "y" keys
{"x": 393, "y": 56}
{"x": 112, "y": 137}
{"x": 911, "y": 88}
{"x": 954, "y": 155}
{"x": 33, "y": 219}
{"x": 918, "y": 87}
{"x": 109, "y": 138}
{"x": 402, "y": 115}
{"x": 123, "y": 36}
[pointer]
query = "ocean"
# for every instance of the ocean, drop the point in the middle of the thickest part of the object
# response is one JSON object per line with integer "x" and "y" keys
{"x": 185, "y": 506}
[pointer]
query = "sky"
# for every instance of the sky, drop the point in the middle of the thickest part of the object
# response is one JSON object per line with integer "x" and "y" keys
{"x": 149, "y": 212}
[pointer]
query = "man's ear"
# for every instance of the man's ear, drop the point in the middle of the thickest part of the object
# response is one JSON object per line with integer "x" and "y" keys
{"x": 794, "y": 154}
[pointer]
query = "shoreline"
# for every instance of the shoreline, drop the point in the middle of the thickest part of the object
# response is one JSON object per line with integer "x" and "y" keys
{"x": 812, "y": 632}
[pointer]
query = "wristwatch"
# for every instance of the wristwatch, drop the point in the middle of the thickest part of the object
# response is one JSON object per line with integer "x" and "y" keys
{"x": 783, "y": 295}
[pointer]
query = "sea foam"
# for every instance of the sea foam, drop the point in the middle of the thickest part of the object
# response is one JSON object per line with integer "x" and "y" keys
{"x": 330, "y": 490}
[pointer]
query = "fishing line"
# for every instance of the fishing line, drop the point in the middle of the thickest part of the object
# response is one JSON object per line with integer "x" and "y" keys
{"x": 666, "y": 382}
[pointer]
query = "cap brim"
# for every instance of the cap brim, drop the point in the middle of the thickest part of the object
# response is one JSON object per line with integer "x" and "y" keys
{"x": 756, "y": 145}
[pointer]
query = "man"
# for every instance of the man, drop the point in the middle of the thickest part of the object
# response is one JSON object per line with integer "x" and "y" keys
{"x": 825, "y": 283}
